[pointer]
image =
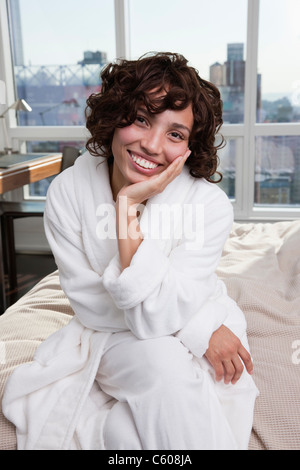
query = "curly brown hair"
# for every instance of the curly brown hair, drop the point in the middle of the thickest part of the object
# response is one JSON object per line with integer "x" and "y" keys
{"x": 128, "y": 83}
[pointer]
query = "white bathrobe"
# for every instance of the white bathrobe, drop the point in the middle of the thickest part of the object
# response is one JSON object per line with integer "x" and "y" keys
{"x": 170, "y": 288}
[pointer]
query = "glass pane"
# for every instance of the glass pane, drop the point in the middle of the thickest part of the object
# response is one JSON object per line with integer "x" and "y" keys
{"x": 227, "y": 167}
{"x": 59, "y": 48}
{"x": 197, "y": 29}
{"x": 278, "y": 61}
{"x": 38, "y": 190}
{"x": 277, "y": 178}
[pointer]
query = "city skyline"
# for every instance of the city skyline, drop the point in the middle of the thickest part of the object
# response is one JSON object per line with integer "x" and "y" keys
{"x": 58, "y": 95}
{"x": 279, "y": 79}
{"x": 228, "y": 75}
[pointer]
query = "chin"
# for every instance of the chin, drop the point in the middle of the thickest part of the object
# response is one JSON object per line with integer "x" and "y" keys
{"x": 137, "y": 178}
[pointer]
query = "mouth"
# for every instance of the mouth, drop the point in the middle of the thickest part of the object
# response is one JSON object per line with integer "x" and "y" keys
{"x": 142, "y": 163}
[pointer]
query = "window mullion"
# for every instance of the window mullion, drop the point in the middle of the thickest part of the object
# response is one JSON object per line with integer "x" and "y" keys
{"x": 248, "y": 173}
{"x": 122, "y": 29}
{"x": 6, "y": 69}
{"x": 6, "y": 65}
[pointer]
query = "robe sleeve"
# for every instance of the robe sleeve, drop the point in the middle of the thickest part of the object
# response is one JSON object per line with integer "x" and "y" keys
{"x": 157, "y": 294}
{"x": 223, "y": 310}
{"x": 81, "y": 283}
{"x": 160, "y": 294}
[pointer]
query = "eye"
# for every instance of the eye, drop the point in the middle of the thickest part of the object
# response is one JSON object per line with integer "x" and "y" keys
{"x": 140, "y": 119}
{"x": 177, "y": 135}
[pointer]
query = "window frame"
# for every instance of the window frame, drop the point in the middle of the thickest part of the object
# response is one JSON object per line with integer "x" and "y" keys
{"x": 246, "y": 133}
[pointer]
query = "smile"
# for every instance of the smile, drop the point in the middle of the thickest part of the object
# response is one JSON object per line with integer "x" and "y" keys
{"x": 142, "y": 162}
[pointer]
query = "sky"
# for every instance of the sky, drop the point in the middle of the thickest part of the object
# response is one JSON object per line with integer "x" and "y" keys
{"x": 58, "y": 32}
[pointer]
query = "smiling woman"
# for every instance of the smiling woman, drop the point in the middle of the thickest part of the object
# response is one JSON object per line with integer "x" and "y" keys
{"x": 129, "y": 85}
{"x": 149, "y": 145}
{"x": 154, "y": 328}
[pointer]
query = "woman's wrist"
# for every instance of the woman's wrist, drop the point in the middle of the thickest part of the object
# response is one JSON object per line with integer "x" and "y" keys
{"x": 128, "y": 230}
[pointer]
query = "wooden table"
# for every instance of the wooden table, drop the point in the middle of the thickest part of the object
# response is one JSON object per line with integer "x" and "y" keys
{"x": 17, "y": 170}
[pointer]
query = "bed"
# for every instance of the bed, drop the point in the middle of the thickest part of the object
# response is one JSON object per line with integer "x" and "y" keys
{"x": 261, "y": 268}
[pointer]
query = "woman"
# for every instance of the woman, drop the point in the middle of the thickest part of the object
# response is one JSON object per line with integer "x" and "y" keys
{"x": 137, "y": 228}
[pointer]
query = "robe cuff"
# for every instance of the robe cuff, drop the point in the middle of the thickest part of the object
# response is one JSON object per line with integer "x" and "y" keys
{"x": 196, "y": 334}
{"x": 146, "y": 271}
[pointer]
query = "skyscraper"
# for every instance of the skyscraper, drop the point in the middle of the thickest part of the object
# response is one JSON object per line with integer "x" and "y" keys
{"x": 235, "y": 51}
{"x": 235, "y": 65}
{"x": 217, "y": 74}
{"x": 229, "y": 77}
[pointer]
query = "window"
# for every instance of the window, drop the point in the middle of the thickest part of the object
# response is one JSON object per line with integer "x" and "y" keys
{"x": 57, "y": 73}
{"x": 228, "y": 157}
{"x": 196, "y": 29}
{"x": 277, "y": 164}
{"x": 216, "y": 48}
{"x": 277, "y": 174}
{"x": 59, "y": 49}
{"x": 278, "y": 61}
{"x": 248, "y": 48}
{"x": 38, "y": 190}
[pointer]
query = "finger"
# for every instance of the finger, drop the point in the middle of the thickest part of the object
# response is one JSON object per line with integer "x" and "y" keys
{"x": 158, "y": 183}
{"x": 219, "y": 370}
{"x": 239, "y": 369}
{"x": 183, "y": 158}
{"x": 229, "y": 371}
{"x": 187, "y": 154}
{"x": 175, "y": 168}
{"x": 246, "y": 358}
{"x": 169, "y": 174}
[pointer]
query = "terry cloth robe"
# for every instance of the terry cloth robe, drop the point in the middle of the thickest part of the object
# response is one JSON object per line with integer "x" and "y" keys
{"x": 170, "y": 288}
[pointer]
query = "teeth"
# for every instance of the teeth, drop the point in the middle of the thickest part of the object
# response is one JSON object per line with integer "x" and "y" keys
{"x": 143, "y": 163}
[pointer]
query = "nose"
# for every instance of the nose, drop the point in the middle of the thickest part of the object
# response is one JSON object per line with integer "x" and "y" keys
{"x": 152, "y": 142}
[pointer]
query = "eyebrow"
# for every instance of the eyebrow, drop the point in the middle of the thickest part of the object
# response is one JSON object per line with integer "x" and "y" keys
{"x": 177, "y": 125}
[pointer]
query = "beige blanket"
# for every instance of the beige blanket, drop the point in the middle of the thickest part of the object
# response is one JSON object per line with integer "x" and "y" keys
{"x": 261, "y": 268}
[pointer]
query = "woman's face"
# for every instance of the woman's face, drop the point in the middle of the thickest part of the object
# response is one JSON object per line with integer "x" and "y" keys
{"x": 149, "y": 145}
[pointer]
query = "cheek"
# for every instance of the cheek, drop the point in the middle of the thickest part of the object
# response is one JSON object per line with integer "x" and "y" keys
{"x": 120, "y": 139}
{"x": 123, "y": 136}
{"x": 178, "y": 151}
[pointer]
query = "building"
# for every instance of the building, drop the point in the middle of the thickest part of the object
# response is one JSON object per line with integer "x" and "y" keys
{"x": 217, "y": 74}
{"x": 58, "y": 93}
{"x": 235, "y": 66}
{"x": 230, "y": 79}
{"x": 90, "y": 57}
